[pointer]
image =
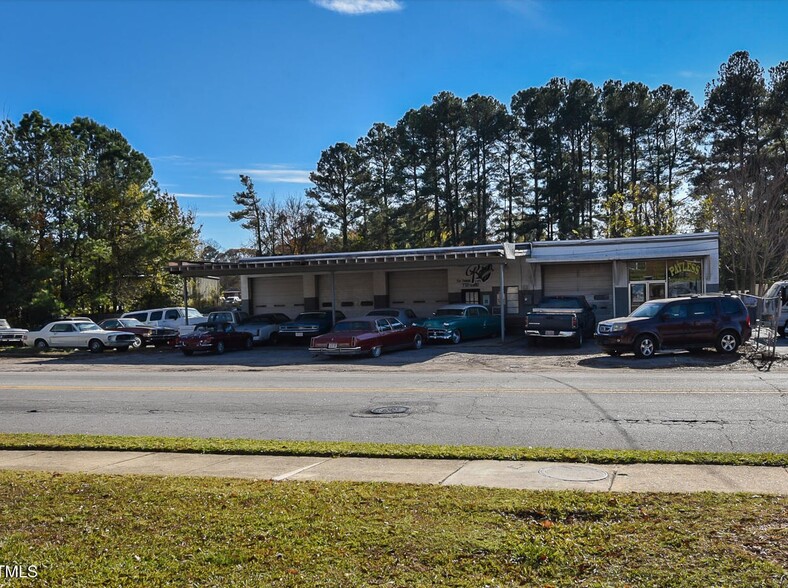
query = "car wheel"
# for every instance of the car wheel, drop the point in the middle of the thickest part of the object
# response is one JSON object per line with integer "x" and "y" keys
{"x": 248, "y": 343}
{"x": 418, "y": 342}
{"x": 273, "y": 338}
{"x": 456, "y": 337}
{"x": 577, "y": 340}
{"x": 220, "y": 347}
{"x": 783, "y": 331}
{"x": 727, "y": 342}
{"x": 122, "y": 349}
{"x": 41, "y": 345}
{"x": 533, "y": 341}
{"x": 95, "y": 346}
{"x": 376, "y": 351}
{"x": 645, "y": 346}
{"x": 137, "y": 343}
{"x": 188, "y": 352}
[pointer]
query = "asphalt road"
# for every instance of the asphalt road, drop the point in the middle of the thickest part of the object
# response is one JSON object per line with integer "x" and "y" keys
{"x": 703, "y": 410}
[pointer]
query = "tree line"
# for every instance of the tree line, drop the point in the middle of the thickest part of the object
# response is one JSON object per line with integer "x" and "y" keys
{"x": 570, "y": 160}
{"x": 83, "y": 226}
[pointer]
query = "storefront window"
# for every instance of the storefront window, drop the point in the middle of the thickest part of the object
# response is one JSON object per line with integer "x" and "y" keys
{"x": 684, "y": 278}
{"x": 646, "y": 270}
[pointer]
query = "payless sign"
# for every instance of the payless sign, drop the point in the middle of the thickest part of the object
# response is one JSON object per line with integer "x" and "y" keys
{"x": 688, "y": 267}
{"x": 476, "y": 275}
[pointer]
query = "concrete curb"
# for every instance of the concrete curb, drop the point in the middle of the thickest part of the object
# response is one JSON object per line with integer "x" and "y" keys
{"x": 523, "y": 475}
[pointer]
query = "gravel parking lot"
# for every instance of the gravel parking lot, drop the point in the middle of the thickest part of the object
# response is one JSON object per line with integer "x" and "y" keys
{"x": 492, "y": 355}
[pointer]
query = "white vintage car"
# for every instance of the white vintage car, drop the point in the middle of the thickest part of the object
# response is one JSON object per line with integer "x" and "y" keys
{"x": 78, "y": 333}
{"x": 9, "y": 336}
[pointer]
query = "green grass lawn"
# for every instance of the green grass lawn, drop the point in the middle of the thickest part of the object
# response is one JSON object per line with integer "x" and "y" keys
{"x": 91, "y": 530}
{"x": 352, "y": 449}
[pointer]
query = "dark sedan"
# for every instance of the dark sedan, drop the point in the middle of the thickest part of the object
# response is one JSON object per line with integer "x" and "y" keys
{"x": 308, "y": 324}
{"x": 143, "y": 334}
{"x": 368, "y": 336}
{"x": 216, "y": 337}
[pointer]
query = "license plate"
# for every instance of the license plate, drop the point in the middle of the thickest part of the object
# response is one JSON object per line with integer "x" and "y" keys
{"x": 551, "y": 332}
{"x": 332, "y": 345}
{"x": 299, "y": 334}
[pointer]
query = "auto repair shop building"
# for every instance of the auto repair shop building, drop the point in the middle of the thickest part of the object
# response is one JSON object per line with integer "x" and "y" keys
{"x": 615, "y": 275}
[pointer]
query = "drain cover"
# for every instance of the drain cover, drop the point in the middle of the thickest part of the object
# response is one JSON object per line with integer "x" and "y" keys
{"x": 570, "y": 473}
{"x": 390, "y": 410}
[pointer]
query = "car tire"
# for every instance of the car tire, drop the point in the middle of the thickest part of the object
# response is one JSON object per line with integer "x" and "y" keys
{"x": 220, "y": 347}
{"x": 376, "y": 351}
{"x": 418, "y": 342}
{"x": 783, "y": 331}
{"x": 273, "y": 338}
{"x": 533, "y": 341}
{"x": 137, "y": 343}
{"x": 41, "y": 345}
{"x": 577, "y": 340}
{"x": 188, "y": 352}
{"x": 456, "y": 337}
{"x": 122, "y": 349}
{"x": 646, "y": 346}
{"x": 727, "y": 342}
{"x": 95, "y": 346}
{"x": 248, "y": 343}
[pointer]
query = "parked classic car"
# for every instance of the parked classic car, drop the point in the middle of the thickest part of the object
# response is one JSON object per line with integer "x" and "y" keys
{"x": 77, "y": 333}
{"x": 143, "y": 334}
{"x": 9, "y": 336}
{"x": 561, "y": 317}
{"x": 455, "y": 322}
{"x": 368, "y": 336}
{"x": 690, "y": 322}
{"x": 216, "y": 337}
{"x": 308, "y": 324}
{"x": 404, "y": 315}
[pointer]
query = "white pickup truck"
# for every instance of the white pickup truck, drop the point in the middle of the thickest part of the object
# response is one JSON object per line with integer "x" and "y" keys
{"x": 10, "y": 336}
{"x": 779, "y": 290}
{"x": 263, "y": 327}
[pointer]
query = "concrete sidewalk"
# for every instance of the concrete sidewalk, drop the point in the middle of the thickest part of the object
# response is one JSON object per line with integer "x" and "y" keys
{"x": 492, "y": 474}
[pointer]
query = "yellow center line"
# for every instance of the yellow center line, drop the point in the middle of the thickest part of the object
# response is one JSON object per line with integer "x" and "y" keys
{"x": 427, "y": 389}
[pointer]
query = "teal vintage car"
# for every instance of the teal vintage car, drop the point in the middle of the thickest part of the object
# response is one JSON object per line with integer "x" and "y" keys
{"x": 455, "y": 322}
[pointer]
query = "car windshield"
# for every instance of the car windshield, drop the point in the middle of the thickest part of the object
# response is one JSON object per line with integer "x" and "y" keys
{"x": 130, "y": 323}
{"x": 449, "y": 312}
{"x": 206, "y": 328}
{"x": 647, "y": 310}
{"x": 88, "y": 327}
{"x": 311, "y": 316}
{"x": 194, "y": 313}
{"x": 774, "y": 291}
{"x": 559, "y": 303}
{"x": 355, "y": 326}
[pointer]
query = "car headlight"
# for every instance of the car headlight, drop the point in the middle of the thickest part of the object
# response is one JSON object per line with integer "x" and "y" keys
{"x": 446, "y": 324}
{"x": 617, "y": 327}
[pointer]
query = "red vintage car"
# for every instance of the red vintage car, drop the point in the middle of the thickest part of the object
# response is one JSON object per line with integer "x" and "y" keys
{"x": 214, "y": 337}
{"x": 368, "y": 336}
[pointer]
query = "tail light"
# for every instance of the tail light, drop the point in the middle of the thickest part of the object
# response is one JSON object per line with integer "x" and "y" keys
{"x": 574, "y": 322}
{"x": 748, "y": 319}
{"x": 526, "y": 321}
{"x": 352, "y": 341}
{"x": 312, "y": 342}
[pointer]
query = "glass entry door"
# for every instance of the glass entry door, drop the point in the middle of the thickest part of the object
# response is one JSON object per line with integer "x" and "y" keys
{"x": 640, "y": 292}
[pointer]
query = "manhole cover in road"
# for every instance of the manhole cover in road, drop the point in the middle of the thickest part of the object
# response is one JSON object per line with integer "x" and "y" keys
{"x": 386, "y": 410}
{"x": 570, "y": 473}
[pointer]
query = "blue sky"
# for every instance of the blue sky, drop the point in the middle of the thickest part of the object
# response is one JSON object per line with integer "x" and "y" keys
{"x": 208, "y": 90}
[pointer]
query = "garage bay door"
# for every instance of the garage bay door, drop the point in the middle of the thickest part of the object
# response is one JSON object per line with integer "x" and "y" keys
{"x": 593, "y": 280}
{"x": 354, "y": 292}
{"x": 422, "y": 290}
{"x": 278, "y": 294}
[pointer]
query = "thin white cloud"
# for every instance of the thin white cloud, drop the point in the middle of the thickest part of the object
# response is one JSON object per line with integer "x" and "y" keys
{"x": 185, "y": 195}
{"x": 360, "y": 6}
{"x": 532, "y": 10}
{"x": 212, "y": 214}
{"x": 273, "y": 174}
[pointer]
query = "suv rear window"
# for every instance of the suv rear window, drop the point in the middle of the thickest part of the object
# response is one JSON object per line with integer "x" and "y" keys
{"x": 731, "y": 306}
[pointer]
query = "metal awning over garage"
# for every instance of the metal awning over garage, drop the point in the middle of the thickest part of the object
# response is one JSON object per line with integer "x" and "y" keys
{"x": 369, "y": 260}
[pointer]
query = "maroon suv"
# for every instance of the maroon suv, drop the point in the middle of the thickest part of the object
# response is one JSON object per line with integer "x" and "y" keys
{"x": 691, "y": 322}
